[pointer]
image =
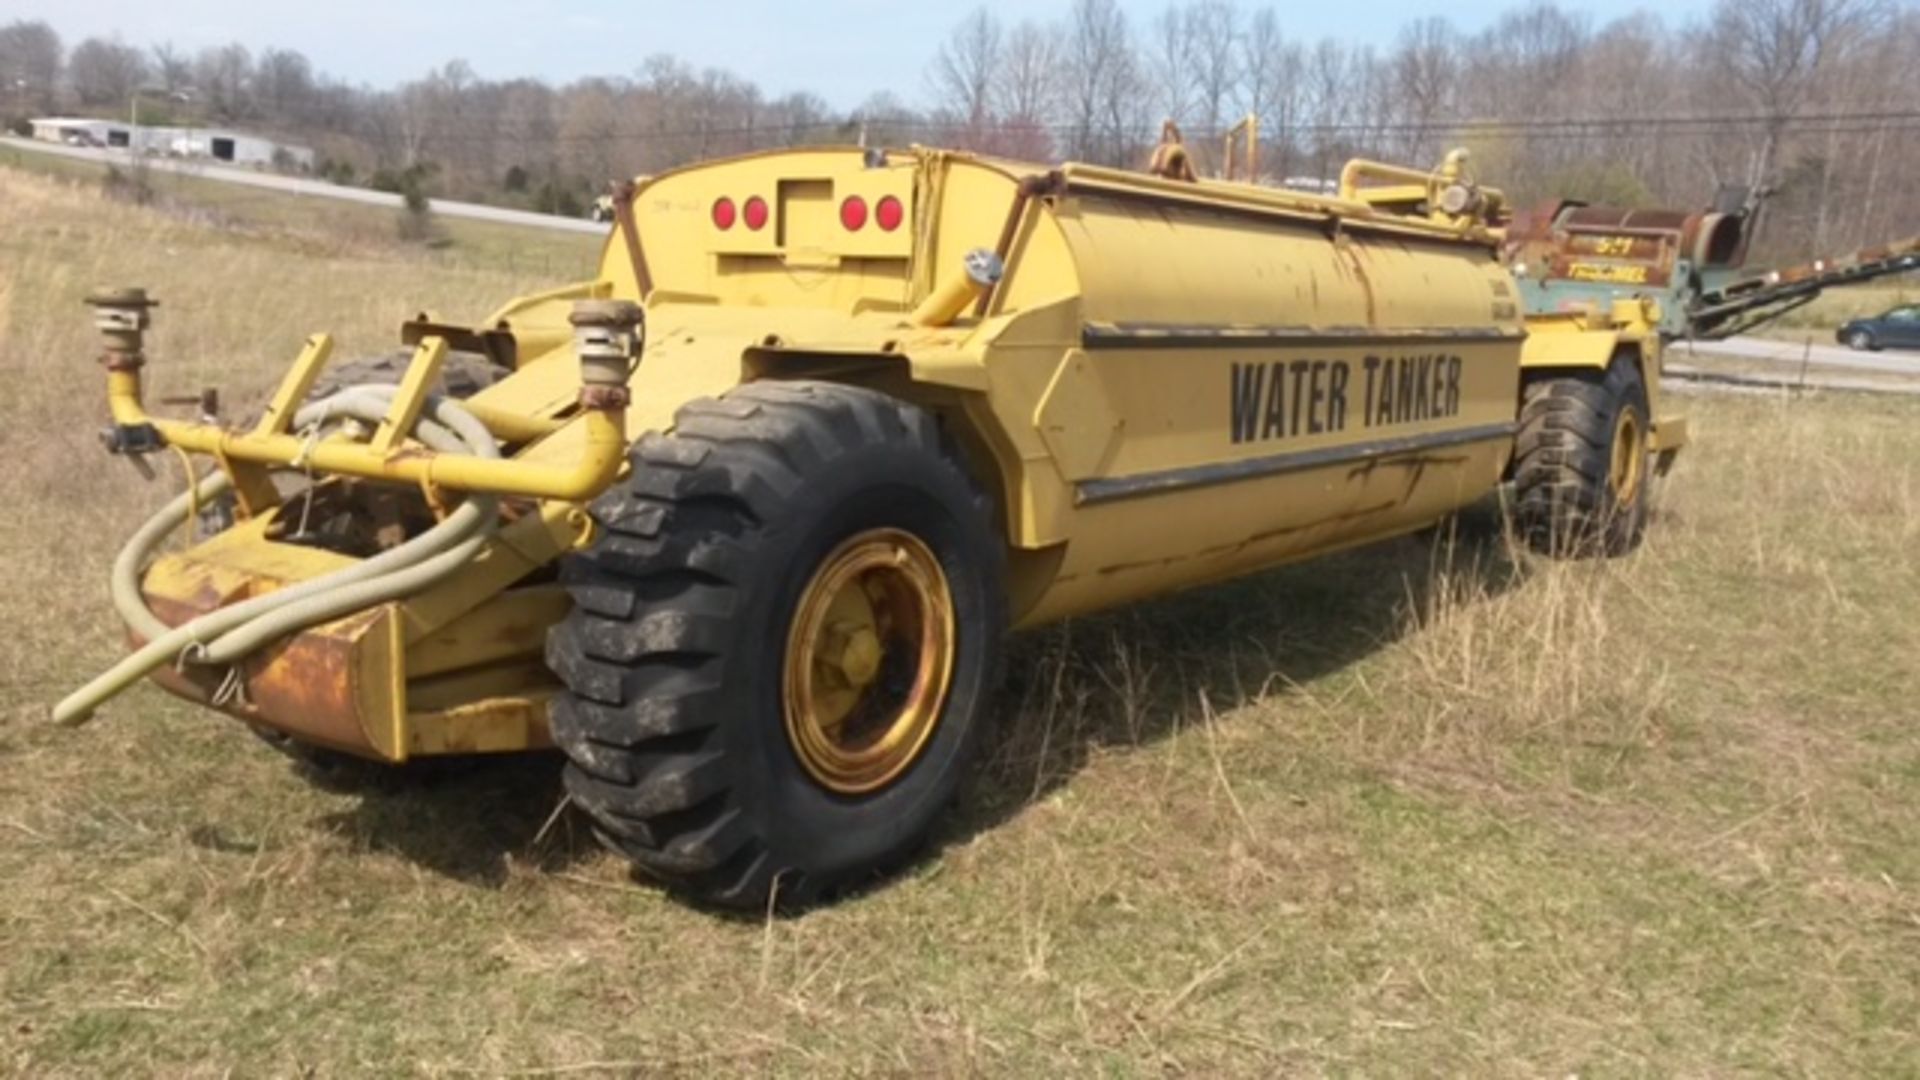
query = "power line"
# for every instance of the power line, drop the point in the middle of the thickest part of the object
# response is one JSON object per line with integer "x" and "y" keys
{"x": 1609, "y": 127}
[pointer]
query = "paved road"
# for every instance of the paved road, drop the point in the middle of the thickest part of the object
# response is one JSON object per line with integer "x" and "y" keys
{"x": 1681, "y": 376}
{"x": 298, "y": 186}
{"x": 1791, "y": 353}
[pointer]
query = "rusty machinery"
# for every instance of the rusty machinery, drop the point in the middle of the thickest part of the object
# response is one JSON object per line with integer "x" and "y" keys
{"x": 1567, "y": 255}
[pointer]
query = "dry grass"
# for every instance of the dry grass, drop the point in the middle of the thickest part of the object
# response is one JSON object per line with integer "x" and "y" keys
{"x": 1423, "y": 808}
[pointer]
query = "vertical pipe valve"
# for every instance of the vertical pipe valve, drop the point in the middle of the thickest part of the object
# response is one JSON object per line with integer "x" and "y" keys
{"x": 609, "y": 336}
{"x": 121, "y": 317}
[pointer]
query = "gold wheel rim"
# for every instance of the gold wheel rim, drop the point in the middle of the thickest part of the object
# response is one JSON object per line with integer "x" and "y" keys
{"x": 869, "y": 658}
{"x": 1629, "y": 457}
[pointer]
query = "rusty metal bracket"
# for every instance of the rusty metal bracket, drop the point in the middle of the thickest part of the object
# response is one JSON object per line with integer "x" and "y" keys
{"x": 630, "y": 232}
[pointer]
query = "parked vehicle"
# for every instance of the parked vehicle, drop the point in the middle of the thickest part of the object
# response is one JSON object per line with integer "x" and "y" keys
{"x": 1897, "y": 329}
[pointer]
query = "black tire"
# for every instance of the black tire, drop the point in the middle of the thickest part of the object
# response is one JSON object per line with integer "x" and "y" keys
{"x": 462, "y": 375}
{"x": 673, "y": 655}
{"x": 1861, "y": 341}
{"x": 1573, "y": 495}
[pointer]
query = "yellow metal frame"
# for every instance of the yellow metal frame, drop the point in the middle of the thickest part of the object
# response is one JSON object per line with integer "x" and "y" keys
{"x": 385, "y": 458}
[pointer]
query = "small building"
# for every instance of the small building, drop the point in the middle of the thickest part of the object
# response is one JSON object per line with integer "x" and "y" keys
{"x": 82, "y": 131}
{"x": 238, "y": 147}
{"x": 215, "y": 144}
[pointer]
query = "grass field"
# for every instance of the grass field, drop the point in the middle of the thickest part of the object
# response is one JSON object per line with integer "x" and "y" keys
{"x": 1418, "y": 809}
{"x": 330, "y": 227}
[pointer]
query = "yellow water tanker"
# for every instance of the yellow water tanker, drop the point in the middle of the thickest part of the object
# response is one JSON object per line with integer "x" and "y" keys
{"x": 740, "y": 524}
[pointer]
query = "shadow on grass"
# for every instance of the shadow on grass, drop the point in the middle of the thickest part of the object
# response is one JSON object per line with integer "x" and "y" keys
{"x": 1136, "y": 675}
{"x": 1129, "y": 678}
{"x": 470, "y": 819}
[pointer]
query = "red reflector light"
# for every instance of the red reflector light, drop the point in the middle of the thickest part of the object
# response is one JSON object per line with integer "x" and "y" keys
{"x": 756, "y": 213}
{"x": 853, "y": 213}
{"x": 723, "y": 214}
{"x": 889, "y": 214}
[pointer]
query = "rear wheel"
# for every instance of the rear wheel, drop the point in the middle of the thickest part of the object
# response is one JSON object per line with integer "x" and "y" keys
{"x": 783, "y": 639}
{"x": 1582, "y": 461}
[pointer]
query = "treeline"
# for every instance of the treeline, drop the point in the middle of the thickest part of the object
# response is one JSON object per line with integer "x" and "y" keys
{"x": 1811, "y": 99}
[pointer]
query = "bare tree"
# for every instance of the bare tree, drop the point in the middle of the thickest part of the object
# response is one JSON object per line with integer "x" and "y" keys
{"x": 1330, "y": 99}
{"x": 105, "y": 72}
{"x": 966, "y": 68}
{"x": 1260, "y": 60}
{"x": 171, "y": 69}
{"x": 30, "y": 55}
{"x": 1774, "y": 50}
{"x": 1168, "y": 64}
{"x": 1425, "y": 65}
{"x": 1028, "y": 90}
{"x": 224, "y": 77}
{"x": 1213, "y": 28}
{"x": 1102, "y": 80}
{"x": 284, "y": 80}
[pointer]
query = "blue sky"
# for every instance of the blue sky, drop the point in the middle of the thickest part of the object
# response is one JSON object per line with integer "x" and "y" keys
{"x": 841, "y": 49}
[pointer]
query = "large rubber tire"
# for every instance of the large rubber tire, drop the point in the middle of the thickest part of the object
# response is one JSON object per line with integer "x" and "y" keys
{"x": 674, "y": 654}
{"x": 462, "y": 375}
{"x": 1574, "y": 495}
{"x": 1861, "y": 341}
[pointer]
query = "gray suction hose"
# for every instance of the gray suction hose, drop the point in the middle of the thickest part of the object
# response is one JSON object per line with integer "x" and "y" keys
{"x": 357, "y": 403}
{"x": 231, "y": 633}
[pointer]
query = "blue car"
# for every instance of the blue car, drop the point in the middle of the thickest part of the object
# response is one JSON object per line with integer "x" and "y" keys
{"x": 1897, "y": 329}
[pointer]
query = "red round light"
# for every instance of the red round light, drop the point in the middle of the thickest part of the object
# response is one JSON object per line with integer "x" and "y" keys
{"x": 853, "y": 213}
{"x": 723, "y": 214}
{"x": 756, "y": 213}
{"x": 889, "y": 214}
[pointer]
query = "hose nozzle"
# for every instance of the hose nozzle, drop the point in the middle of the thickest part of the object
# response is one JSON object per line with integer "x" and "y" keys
{"x": 121, "y": 316}
{"x": 608, "y": 336}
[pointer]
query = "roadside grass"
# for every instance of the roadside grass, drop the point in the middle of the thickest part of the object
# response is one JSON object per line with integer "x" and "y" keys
{"x": 1794, "y": 373}
{"x": 1430, "y": 807}
{"x": 329, "y": 227}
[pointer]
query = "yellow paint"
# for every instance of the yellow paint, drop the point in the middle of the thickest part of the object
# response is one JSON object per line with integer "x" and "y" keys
{"x": 293, "y": 390}
{"x": 1607, "y": 274}
{"x": 410, "y": 397}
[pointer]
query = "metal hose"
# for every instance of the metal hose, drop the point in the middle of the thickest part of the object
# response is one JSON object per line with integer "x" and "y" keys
{"x": 232, "y": 632}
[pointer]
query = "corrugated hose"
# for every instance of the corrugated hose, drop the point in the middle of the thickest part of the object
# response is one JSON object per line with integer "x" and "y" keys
{"x": 229, "y": 634}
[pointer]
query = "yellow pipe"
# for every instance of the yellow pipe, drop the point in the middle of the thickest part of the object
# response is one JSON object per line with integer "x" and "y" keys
{"x": 123, "y": 397}
{"x": 599, "y": 462}
{"x": 946, "y": 302}
{"x": 513, "y": 427}
{"x": 979, "y": 271}
{"x": 1359, "y": 168}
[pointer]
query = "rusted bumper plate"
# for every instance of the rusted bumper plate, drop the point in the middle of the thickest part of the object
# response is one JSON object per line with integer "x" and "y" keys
{"x": 343, "y": 686}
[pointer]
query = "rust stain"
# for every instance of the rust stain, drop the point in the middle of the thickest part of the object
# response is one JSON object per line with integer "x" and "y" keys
{"x": 301, "y": 687}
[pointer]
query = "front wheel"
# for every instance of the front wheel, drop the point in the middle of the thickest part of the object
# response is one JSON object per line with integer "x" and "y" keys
{"x": 1860, "y": 341}
{"x": 782, "y": 645}
{"x": 1581, "y": 462}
